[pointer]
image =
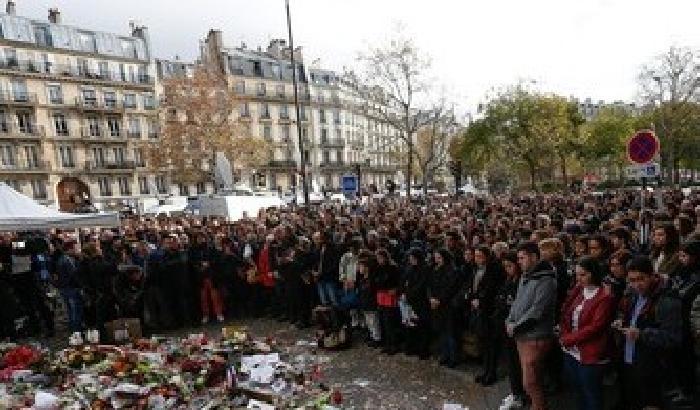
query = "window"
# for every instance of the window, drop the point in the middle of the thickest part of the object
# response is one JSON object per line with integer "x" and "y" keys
{"x": 89, "y": 97}
{"x": 149, "y": 101}
{"x": 7, "y": 156}
{"x": 152, "y": 129}
{"x": 324, "y": 135}
{"x": 24, "y": 122}
{"x": 129, "y": 100}
{"x": 201, "y": 188}
{"x": 32, "y": 156}
{"x": 93, "y": 127}
{"x": 83, "y": 67}
{"x": 98, "y": 157}
{"x": 280, "y": 90}
{"x": 11, "y": 57}
{"x": 60, "y": 124}
{"x": 118, "y": 154}
{"x": 160, "y": 184}
{"x": 38, "y": 189}
{"x": 326, "y": 156}
{"x": 143, "y": 186}
{"x": 239, "y": 88}
{"x": 55, "y": 94}
{"x": 103, "y": 69}
{"x": 244, "y": 110}
{"x": 267, "y": 132}
{"x": 66, "y": 156}
{"x": 134, "y": 127}
{"x": 302, "y": 112}
{"x": 87, "y": 42}
{"x": 264, "y": 110}
{"x": 257, "y": 69}
{"x": 285, "y": 133}
{"x": 124, "y": 186}
{"x": 105, "y": 186}
{"x": 284, "y": 112}
{"x": 122, "y": 72}
{"x": 14, "y": 184}
{"x": 336, "y": 117}
{"x": 19, "y": 91}
{"x": 4, "y": 126}
{"x": 110, "y": 99}
{"x": 184, "y": 190}
{"x": 322, "y": 115}
{"x": 114, "y": 126}
{"x": 43, "y": 36}
{"x": 138, "y": 157}
{"x": 261, "y": 89}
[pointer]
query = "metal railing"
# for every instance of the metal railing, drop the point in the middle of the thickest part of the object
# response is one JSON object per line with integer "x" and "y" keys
{"x": 97, "y": 104}
{"x": 25, "y": 166}
{"x": 31, "y": 129}
{"x": 66, "y": 70}
{"x": 332, "y": 142}
{"x": 109, "y": 165}
{"x": 17, "y": 97}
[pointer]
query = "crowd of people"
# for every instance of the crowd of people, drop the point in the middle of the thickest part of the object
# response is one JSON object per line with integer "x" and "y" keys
{"x": 590, "y": 287}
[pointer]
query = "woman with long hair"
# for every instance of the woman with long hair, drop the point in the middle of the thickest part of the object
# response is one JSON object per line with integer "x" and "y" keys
{"x": 387, "y": 283}
{"x": 585, "y": 323}
{"x": 664, "y": 251}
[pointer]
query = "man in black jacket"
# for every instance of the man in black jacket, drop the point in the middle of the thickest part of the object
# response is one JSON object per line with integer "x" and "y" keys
{"x": 326, "y": 273}
{"x": 649, "y": 324}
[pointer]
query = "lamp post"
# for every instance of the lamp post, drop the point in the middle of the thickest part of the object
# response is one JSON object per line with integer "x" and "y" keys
{"x": 302, "y": 157}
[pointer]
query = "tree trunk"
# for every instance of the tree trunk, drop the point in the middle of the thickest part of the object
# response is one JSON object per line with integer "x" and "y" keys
{"x": 409, "y": 168}
{"x": 532, "y": 176}
{"x": 564, "y": 177}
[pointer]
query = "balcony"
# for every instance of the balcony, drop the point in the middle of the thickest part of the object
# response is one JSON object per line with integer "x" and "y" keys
{"x": 109, "y": 166}
{"x": 93, "y": 104}
{"x": 49, "y": 69}
{"x": 332, "y": 142}
{"x": 332, "y": 164}
{"x": 149, "y": 105}
{"x": 134, "y": 134}
{"x": 282, "y": 164}
{"x": 153, "y": 135}
{"x": 24, "y": 131}
{"x": 18, "y": 98}
{"x": 100, "y": 133}
{"x": 284, "y": 142}
{"x": 23, "y": 167}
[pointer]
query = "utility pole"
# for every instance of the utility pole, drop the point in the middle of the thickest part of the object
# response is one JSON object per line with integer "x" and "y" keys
{"x": 302, "y": 157}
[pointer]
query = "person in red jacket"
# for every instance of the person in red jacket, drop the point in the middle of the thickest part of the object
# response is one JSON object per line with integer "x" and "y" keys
{"x": 585, "y": 323}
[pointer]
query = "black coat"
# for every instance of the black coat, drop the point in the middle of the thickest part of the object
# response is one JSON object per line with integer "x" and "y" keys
{"x": 441, "y": 286}
{"x": 414, "y": 285}
{"x": 328, "y": 264}
{"x": 387, "y": 277}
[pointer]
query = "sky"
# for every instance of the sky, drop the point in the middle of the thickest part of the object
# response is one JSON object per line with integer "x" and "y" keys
{"x": 584, "y": 48}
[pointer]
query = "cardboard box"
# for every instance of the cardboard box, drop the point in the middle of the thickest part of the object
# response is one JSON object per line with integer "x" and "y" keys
{"x": 122, "y": 330}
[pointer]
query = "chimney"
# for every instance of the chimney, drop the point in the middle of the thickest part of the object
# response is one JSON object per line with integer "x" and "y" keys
{"x": 54, "y": 16}
{"x": 11, "y": 8}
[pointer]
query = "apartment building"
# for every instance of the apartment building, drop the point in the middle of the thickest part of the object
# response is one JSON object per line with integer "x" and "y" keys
{"x": 77, "y": 108}
{"x": 336, "y": 137}
{"x": 590, "y": 109}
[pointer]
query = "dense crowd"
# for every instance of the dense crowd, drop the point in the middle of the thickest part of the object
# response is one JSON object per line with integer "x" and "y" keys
{"x": 586, "y": 286}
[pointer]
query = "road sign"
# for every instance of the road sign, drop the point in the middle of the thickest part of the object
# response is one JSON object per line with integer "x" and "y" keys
{"x": 642, "y": 147}
{"x": 649, "y": 170}
{"x": 349, "y": 184}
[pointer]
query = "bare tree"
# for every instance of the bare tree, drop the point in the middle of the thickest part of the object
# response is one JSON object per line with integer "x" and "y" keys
{"x": 197, "y": 122}
{"x": 433, "y": 143}
{"x": 390, "y": 88}
{"x": 673, "y": 80}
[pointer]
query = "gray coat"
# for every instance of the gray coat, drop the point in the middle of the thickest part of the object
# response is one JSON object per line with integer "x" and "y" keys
{"x": 532, "y": 314}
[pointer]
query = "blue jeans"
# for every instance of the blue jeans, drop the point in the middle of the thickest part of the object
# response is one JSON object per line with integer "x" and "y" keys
{"x": 328, "y": 293}
{"x": 587, "y": 379}
{"x": 74, "y": 306}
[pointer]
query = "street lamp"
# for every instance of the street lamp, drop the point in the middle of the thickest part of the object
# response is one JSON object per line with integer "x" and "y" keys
{"x": 302, "y": 157}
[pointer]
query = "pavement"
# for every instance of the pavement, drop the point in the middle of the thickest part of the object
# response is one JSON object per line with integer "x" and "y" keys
{"x": 369, "y": 379}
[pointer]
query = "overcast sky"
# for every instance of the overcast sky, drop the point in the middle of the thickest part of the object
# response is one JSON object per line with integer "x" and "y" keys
{"x": 582, "y": 48}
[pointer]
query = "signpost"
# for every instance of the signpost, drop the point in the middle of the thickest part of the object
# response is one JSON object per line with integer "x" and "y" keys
{"x": 642, "y": 149}
{"x": 349, "y": 184}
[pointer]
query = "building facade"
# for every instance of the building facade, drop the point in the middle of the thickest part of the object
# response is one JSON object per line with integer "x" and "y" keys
{"x": 337, "y": 138}
{"x": 76, "y": 109}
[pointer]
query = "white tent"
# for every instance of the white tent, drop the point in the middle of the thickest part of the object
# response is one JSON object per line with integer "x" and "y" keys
{"x": 19, "y": 212}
